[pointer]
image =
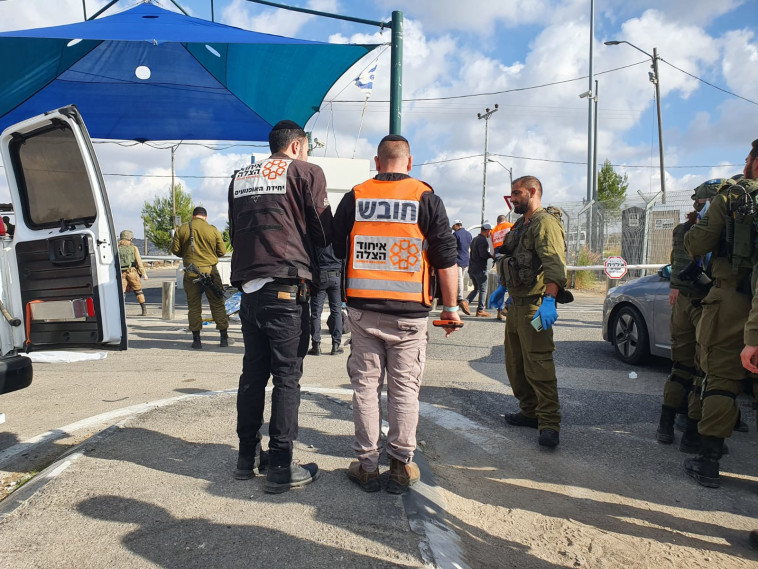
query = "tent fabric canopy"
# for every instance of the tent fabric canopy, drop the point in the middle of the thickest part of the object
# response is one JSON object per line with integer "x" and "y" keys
{"x": 152, "y": 74}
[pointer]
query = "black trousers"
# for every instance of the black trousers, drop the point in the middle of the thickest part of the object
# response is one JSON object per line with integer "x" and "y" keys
{"x": 328, "y": 287}
{"x": 275, "y": 329}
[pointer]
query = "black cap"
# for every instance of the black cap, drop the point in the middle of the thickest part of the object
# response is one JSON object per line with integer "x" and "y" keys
{"x": 394, "y": 138}
{"x": 286, "y": 125}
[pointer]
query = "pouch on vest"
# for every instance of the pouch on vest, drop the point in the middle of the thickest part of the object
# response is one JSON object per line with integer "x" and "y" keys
{"x": 126, "y": 256}
{"x": 741, "y": 220}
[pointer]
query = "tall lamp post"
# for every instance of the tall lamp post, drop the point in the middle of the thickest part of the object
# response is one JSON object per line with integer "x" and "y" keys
{"x": 591, "y": 221}
{"x": 654, "y": 78}
{"x": 510, "y": 170}
{"x": 486, "y": 116}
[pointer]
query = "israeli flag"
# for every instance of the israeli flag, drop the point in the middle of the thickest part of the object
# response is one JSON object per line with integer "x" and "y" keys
{"x": 365, "y": 81}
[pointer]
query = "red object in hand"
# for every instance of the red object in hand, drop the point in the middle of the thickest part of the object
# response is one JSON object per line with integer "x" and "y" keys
{"x": 448, "y": 323}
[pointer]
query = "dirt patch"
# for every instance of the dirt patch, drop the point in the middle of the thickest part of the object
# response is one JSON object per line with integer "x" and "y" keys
{"x": 526, "y": 508}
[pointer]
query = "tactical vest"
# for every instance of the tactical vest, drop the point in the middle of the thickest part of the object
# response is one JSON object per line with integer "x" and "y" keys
{"x": 126, "y": 256}
{"x": 387, "y": 257}
{"x": 499, "y": 233}
{"x": 520, "y": 267}
{"x": 679, "y": 260}
{"x": 741, "y": 218}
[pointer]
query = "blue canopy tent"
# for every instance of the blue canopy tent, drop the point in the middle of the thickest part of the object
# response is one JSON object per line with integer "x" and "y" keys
{"x": 152, "y": 74}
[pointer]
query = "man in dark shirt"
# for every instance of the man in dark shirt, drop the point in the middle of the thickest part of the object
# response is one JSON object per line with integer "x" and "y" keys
{"x": 463, "y": 239}
{"x": 477, "y": 270}
{"x": 392, "y": 230}
{"x": 328, "y": 285}
{"x": 278, "y": 209}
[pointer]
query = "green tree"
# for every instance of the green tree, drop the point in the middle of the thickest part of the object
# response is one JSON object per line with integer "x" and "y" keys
{"x": 611, "y": 187}
{"x": 227, "y": 238}
{"x": 157, "y": 216}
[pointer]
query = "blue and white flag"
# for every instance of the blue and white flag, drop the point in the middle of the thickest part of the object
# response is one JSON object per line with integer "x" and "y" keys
{"x": 365, "y": 81}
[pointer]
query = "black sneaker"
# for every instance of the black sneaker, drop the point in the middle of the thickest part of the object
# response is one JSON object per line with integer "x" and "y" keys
{"x": 549, "y": 438}
{"x": 281, "y": 478}
{"x": 249, "y": 466}
{"x": 519, "y": 420}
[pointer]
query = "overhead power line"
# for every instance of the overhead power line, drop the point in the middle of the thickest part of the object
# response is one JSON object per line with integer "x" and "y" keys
{"x": 707, "y": 83}
{"x": 515, "y": 90}
{"x": 583, "y": 163}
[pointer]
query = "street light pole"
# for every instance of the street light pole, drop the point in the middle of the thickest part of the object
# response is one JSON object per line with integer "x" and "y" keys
{"x": 654, "y": 78}
{"x": 510, "y": 178}
{"x": 486, "y": 116}
{"x": 510, "y": 170}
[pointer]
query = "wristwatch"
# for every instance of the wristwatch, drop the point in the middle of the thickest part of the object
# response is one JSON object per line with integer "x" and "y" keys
{"x": 548, "y": 295}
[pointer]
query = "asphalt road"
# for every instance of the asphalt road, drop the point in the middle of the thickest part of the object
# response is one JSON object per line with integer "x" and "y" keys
{"x": 608, "y": 484}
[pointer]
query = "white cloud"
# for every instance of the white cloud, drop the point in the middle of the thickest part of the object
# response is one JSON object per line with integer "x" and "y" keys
{"x": 740, "y": 62}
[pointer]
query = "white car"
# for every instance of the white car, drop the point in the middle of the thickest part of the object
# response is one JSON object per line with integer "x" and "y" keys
{"x": 636, "y": 317}
{"x": 60, "y": 280}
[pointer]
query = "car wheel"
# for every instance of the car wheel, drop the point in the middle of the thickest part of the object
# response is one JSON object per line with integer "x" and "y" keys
{"x": 629, "y": 335}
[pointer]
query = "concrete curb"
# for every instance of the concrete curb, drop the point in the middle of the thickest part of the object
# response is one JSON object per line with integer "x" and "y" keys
{"x": 424, "y": 504}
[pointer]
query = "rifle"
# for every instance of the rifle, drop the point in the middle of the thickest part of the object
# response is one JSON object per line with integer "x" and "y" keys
{"x": 204, "y": 280}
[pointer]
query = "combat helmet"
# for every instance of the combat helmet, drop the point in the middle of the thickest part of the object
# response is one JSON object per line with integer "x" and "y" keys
{"x": 126, "y": 235}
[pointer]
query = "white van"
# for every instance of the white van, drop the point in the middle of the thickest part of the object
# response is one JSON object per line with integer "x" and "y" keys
{"x": 60, "y": 283}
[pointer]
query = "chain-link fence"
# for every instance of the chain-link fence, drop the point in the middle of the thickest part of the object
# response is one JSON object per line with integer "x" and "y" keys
{"x": 639, "y": 231}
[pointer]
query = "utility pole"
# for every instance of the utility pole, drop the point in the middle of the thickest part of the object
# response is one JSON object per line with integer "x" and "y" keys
{"x": 486, "y": 116}
{"x": 654, "y": 78}
{"x": 590, "y": 120}
{"x": 173, "y": 191}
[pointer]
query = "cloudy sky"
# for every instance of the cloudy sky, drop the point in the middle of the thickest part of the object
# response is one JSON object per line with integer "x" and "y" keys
{"x": 530, "y": 57}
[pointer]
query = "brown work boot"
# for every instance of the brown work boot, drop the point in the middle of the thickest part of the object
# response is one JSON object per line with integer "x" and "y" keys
{"x": 463, "y": 305}
{"x": 368, "y": 481}
{"x": 483, "y": 314}
{"x": 144, "y": 309}
{"x": 402, "y": 476}
{"x": 500, "y": 315}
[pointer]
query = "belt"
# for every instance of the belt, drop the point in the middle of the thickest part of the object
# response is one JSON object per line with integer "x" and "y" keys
{"x": 281, "y": 287}
{"x": 526, "y": 300}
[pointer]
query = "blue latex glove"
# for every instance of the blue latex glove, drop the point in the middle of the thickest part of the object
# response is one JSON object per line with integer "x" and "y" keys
{"x": 496, "y": 298}
{"x": 547, "y": 312}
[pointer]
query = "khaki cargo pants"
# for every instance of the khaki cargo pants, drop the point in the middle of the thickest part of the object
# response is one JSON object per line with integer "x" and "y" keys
{"x": 529, "y": 364}
{"x": 131, "y": 277}
{"x": 385, "y": 344}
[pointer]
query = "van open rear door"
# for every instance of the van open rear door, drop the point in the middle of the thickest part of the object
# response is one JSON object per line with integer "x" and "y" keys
{"x": 61, "y": 274}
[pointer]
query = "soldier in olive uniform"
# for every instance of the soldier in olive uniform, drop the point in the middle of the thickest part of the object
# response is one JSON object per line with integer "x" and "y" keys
{"x": 727, "y": 233}
{"x": 685, "y": 298}
{"x": 749, "y": 355}
{"x": 201, "y": 244}
{"x": 131, "y": 267}
{"x": 533, "y": 268}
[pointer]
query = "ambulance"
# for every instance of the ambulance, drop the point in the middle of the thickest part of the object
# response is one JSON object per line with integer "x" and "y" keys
{"x": 60, "y": 281}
